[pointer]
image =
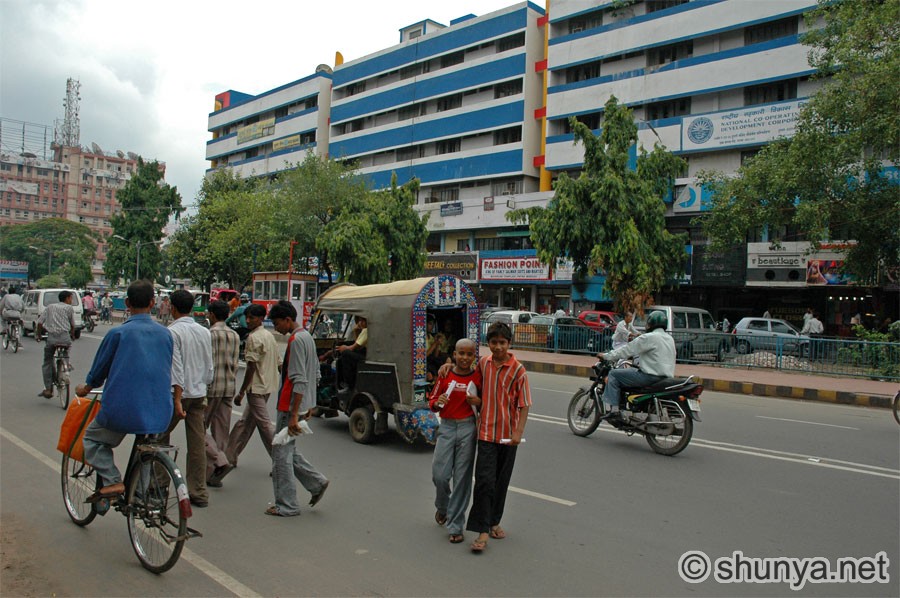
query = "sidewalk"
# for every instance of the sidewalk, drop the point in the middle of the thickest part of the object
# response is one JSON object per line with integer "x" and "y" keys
{"x": 756, "y": 381}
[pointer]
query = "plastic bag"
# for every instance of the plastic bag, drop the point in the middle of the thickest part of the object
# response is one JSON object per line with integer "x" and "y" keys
{"x": 283, "y": 437}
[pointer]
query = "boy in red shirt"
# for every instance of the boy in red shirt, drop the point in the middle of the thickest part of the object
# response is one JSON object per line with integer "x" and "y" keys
{"x": 504, "y": 412}
{"x": 455, "y": 397}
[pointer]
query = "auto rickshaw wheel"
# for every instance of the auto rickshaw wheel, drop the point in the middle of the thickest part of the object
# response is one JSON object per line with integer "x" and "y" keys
{"x": 362, "y": 425}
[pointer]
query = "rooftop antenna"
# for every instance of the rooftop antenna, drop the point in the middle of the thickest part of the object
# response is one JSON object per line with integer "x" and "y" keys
{"x": 68, "y": 131}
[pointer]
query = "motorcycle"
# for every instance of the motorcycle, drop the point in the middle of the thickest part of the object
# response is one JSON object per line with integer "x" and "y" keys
{"x": 664, "y": 412}
{"x": 90, "y": 322}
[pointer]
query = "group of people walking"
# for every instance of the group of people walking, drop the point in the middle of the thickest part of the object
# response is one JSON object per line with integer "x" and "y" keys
{"x": 154, "y": 377}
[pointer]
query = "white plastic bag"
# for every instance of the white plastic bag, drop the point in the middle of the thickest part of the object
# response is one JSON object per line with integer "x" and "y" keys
{"x": 283, "y": 437}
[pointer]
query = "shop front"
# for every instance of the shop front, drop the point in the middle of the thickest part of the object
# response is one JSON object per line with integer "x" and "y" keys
{"x": 519, "y": 280}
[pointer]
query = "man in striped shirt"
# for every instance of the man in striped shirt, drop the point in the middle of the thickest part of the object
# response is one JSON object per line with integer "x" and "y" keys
{"x": 506, "y": 399}
{"x": 220, "y": 393}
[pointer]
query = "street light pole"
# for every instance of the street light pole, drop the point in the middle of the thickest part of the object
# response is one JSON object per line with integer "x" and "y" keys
{"x": 137, "y": 251}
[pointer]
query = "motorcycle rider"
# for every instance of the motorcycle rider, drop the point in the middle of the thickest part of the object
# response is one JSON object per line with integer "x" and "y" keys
{"x": 656, "y": 349}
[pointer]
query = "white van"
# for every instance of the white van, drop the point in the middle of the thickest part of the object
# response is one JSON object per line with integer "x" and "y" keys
{"x": 37, "y": 300}
{"x": 693, "y": 328}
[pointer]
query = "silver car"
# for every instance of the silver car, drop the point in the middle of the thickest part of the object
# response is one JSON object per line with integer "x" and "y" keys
{"x": 768, "y": 334}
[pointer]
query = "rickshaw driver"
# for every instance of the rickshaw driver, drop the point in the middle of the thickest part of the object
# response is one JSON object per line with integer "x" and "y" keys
{"x": 351, "y": 355}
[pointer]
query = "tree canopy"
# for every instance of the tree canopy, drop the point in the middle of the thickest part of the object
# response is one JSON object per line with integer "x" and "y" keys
{"x": 836, "y": 178}
{"x": 612, "y": 217}
{"x": 147, "y": 203}
{"x": 70, "y": 246}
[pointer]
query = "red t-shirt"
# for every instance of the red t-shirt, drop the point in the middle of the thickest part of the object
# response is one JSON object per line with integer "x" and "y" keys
{"x": 456, "y": 407}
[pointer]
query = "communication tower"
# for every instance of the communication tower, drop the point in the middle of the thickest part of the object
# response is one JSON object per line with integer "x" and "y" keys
{"x": 68, "y": 131}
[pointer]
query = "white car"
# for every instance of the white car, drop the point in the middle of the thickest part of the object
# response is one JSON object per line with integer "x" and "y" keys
{"x": 37, "y": 300}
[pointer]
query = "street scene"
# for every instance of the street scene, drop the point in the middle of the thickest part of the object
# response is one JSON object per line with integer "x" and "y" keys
{"x": 474, "y": 298}
{"x": 602, "y": 515}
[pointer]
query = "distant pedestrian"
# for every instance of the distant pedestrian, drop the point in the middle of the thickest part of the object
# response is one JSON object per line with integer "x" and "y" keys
{"x": 767, "y": 314}
{"x": 220, "y": 394}
{"x": 260, "y": 381}
{"x": 165, "y": 310}
{"x": 296, "y": 400}
{"x": 192, "y": 371}
{"x": 58, "y": 321}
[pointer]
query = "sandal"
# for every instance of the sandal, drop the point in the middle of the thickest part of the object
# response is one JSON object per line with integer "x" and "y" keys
{"x": 478, "y": 545}
{"x": 456, "y": 538}
{"x": 273, "y": 511}
{"x": 497, "y": 533}
{"x": 440, "y": 518}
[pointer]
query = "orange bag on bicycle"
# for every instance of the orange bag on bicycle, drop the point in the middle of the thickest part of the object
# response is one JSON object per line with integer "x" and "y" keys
{"x": 80, "y": 413}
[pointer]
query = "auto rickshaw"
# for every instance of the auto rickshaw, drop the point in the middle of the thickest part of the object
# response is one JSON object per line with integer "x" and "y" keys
{"x": 392, "y": 379}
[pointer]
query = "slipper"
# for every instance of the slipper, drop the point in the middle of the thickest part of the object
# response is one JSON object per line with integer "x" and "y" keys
{"x": 456, "y": 538}
{"x": 273, "y": 511}
{"x": 110, "y": 491}
{"x": 440, "y": 518}
{"x": 497, "y": 533}
{"x": 478, "y": 545}
{"x": 47, "y": 394}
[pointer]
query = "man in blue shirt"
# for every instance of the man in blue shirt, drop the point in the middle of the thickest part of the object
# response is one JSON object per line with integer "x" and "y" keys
{"x": 135, "y": 362}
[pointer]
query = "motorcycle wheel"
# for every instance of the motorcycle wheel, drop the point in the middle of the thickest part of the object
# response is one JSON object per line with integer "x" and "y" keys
{"x": 670, "y": 412}
{"x": 583, "y": 415}
{"x": 89, "y": 325}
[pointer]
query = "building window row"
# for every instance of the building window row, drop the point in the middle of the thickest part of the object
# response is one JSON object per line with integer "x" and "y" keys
{"x": 444, "y": 146}
{"x": 428, "y": 66}
{"x": 280, "y": 112}
{"x": 452, "y": 192}
{"x": 432, "y": 106}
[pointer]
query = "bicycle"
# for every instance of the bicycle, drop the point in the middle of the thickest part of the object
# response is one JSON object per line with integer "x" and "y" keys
{"x": 13, "y": 336}
{"x": 155, "y": 503}
{"x": 61, "y": 369}
{"x": 895, "y": 406}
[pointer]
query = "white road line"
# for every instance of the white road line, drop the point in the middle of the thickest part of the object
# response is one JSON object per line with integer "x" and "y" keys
{"x": 755, "y": 451}
{"x": 800, "y": 421}
{"x": 560, "y": 501}
{"x": 562, "y": 392}
{"x": 204, "y": 566}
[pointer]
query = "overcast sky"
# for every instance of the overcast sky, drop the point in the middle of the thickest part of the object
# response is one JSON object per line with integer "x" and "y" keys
{"x": 149, "y": 70}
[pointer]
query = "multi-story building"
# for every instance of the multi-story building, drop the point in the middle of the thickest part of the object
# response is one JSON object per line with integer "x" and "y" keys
{"x": 267, "y": 133}
{"x": 479, "y": 112}
{"x": 67, "y": 182}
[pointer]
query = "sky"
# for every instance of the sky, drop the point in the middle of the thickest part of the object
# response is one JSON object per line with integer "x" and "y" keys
{"x": 149, "y": 71}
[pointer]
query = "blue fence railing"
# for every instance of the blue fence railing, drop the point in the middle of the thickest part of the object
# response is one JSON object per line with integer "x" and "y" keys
{"x": 836, "y": 356}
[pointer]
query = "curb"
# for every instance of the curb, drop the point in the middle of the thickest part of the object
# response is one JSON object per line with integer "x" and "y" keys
{"x": 731, "y": 386}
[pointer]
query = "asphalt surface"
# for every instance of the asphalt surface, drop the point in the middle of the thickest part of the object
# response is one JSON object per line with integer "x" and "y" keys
{"x": 597, "y": 516}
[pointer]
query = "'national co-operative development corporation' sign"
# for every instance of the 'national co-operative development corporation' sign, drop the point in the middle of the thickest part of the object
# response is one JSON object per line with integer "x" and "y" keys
{"x": 746, "y": 126}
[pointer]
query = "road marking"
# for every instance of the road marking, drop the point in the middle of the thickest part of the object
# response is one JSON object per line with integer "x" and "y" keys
{"x": 204, "y": 566}
{"x": 800, "y": 421}
{"x": 562, "y": 392}
{"x": 560, "y": 501}
{"x": 755, "y": 451}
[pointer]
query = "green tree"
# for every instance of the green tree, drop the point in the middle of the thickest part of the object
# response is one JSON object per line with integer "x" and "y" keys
{"x": 147, "y": 204}
{"x": 829, "y": 180}
{"x": 77, "y": 273}
{"x": 378, "y": 238}
{"x": 612, "y": 217}
{"x": 60, "y": 240}
{"x": 51, "y": 281}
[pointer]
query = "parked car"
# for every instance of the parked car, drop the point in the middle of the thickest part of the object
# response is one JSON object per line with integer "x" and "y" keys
{"x": 37, "y": 300}
{"x": 565, "y": 333}
{"x": 693, "y": 329}
{"x": 522, "y": 335}
{"x": 600, "y": 320}
{"x": 769, "y": 334}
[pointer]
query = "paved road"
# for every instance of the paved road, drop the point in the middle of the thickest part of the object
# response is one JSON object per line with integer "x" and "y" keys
{"x": 597, "y": 516}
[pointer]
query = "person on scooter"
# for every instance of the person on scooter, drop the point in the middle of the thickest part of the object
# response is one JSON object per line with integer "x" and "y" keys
{"x": 656, "y": 349}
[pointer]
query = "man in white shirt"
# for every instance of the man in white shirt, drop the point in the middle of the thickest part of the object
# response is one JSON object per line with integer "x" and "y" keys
{"x": 192, "y": 371}
{"x": 11, "y": 308}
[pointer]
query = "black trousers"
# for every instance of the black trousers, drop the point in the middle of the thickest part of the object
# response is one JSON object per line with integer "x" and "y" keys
{"x": 493, "y": 471}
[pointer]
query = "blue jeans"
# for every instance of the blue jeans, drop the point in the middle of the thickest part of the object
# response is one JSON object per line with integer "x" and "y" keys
{"x": 454, "y": 459}
{"x": 625, "y": 378}
{"x": 285, "y": 458}
{"x": 98, "y": 451}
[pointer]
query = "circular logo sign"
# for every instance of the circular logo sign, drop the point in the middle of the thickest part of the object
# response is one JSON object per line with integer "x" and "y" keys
{"x": 701, "y": 130}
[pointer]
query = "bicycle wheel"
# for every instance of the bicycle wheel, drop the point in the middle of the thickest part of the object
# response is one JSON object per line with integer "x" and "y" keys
{"x": 896, "y": 407}
{"x": 6, "y": 339}
{"x": 17, "y": 340}
{"x": 583, "y": 415}
{"x": 62, "y": 383}
{"x": 156, "y": 525}
{"x": 78, "y": 482}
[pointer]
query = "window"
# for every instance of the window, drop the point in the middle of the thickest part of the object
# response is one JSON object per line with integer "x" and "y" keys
{"x": 355, "y": 88}
{"x": 310, "y": 103}
{"x": 583, "y": 72}
{"x": 415, "y": 33}
{"x": 409, "y": 153}
{"x": 585, "y": 22}
{"x": 592, "y": 121}
{"x": 451, "y": 59}
{"x": 667, "y": 109}
{"x": 446, "y": 193}
{"x": 448, "y": 146}
{"x": 357, "y": 125}
{"x": 771, "y": 30}
{"x": 758, "y": 325}
{"x": 409, "y": 112}
{"x": 308, "y": 137}
{"x": 506, "y": 187}
{"x": 655, "y": 5}
{"x": 281, "y": 112}
{"x": 449, "y": 103}
{"x": 510, "y": 88}
{"x": 410, "y": 71}
{"x": 510, "y": 135}
{"x": 780, "y": 328}
{"x": 771, "y": 92}
{"x": 513, "y": 41}
{"x": 251, "y": 153}
{"x": 667, "y": 54}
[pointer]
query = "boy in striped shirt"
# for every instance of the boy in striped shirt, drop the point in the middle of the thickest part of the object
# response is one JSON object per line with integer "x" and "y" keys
{"x": 506, "y": 398}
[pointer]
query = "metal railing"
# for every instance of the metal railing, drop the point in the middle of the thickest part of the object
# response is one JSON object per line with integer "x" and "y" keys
{"x": 822, "y": 355}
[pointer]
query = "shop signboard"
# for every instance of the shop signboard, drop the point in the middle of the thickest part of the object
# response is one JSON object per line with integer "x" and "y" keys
{"x": 792, "y": 264}
{"x": 13, "y": 270}
{"x": 513, "y": 268}
{"x": 463, "y": 264}
{"x": 725, "y": 268}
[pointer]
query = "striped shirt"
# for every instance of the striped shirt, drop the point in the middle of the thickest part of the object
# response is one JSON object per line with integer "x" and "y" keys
{"x": 505, "y": 390}
{"x": 226, "y": 346}
{"x": 58, "y": 318}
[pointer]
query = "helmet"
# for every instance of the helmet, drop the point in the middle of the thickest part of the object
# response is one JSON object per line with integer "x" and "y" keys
{"x": 656, "y": 320}
{"x": 245, "y": 297}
